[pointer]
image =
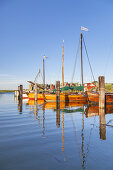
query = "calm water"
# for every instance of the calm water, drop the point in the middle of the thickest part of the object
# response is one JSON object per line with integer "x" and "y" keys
{"x": 40, "y": 139}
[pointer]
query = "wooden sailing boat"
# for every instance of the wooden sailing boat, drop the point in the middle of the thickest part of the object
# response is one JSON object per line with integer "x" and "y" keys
{"x": 63, "y": 95}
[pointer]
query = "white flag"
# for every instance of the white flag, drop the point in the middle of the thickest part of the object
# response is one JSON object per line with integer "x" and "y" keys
{"x": 83, "y": 28}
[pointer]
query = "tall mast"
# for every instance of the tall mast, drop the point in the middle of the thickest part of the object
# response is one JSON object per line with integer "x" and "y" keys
{"x": 81, "y": 63}
{"x": 63, "y": 64}
{"x": 44, "y": 74}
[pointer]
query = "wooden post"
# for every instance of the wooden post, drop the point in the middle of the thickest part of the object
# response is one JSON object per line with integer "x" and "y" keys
{"x": 35, "y": 91}
{"x": 57, "y": 93}
{"x": 101, "y": 92}
{"x": 20, "y": 91}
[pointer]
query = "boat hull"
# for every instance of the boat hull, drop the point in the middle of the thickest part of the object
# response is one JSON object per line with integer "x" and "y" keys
{"x": 94, "y": 97}
{"x": 63, "y": 97}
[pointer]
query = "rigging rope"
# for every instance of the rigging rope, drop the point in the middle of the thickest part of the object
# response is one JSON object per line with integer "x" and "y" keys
{"x": 88, "y": 59}
{"x": 75, "y": 62}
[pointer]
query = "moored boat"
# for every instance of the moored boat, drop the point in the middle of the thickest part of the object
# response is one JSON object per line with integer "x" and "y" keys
{"x": 94, "y": 97}
{"x": 63, "y": 97}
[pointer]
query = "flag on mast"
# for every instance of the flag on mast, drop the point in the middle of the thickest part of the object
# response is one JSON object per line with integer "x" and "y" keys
{"x": 83, "y": 28}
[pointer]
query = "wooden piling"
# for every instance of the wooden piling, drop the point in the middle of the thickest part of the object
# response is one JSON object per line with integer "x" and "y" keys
{"x": 35, "y": 91}
{"x": 20, "y": 94}
{"x": 57, "y": 93}
{"x": 101, "y": 92}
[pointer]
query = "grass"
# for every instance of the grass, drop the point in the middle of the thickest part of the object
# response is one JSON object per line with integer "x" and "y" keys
{"x": 108, "y": 88}
{"x": 6, "y": 91}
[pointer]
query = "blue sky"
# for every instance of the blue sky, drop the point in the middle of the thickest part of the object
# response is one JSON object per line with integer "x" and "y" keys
{"x": 31, "y": 29}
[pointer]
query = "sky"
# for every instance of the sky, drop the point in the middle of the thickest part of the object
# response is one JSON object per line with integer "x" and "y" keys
{"x": 30, "y": 29}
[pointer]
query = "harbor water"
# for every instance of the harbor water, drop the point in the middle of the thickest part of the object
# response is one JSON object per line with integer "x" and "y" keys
{"x": 41, "y": 137}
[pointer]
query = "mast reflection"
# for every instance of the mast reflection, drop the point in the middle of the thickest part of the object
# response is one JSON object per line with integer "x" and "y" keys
{"x": 82, "y": 146}
{"x": 62, "y": 131}
{"x": 43, "y": 119}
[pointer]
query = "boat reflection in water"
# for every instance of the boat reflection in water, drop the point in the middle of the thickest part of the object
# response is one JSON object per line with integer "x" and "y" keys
{"x": 68, "y": 109}
{"x": 96, "y": 111}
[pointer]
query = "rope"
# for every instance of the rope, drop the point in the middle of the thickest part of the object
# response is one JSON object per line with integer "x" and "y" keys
{"x": 75, "y": 62}
{"x": 88, "y": 59}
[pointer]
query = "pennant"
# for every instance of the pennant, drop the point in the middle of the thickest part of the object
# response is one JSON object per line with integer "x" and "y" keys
{"x": 83, "y": 28}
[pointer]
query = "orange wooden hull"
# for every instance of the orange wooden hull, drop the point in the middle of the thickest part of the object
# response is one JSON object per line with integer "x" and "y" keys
{"x": 77, "y": 97}
{"x": 63, "y": 97}
{"x": 94, "y": 97}
{"x": 31, "y": 96}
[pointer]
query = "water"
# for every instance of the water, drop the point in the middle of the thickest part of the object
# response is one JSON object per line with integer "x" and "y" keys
{"x": 41, "y": 139}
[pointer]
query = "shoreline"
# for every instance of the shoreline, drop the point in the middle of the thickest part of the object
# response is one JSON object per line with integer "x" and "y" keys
{"x": 6, "y": 91}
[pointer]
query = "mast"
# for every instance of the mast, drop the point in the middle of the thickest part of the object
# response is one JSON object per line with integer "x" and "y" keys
{"x": 44, "y": 74}
{"x": 81, "y": 62}
{"x": 63, "y": 64}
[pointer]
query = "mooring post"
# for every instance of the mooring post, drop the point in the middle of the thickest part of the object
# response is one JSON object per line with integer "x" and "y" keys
{"x": 57, "y": 93}
{"x": 21, "y": 91}
{"x": 35, "y": 91}
{"x": 101, "y": 92}
{"x": 20, "y": 94}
